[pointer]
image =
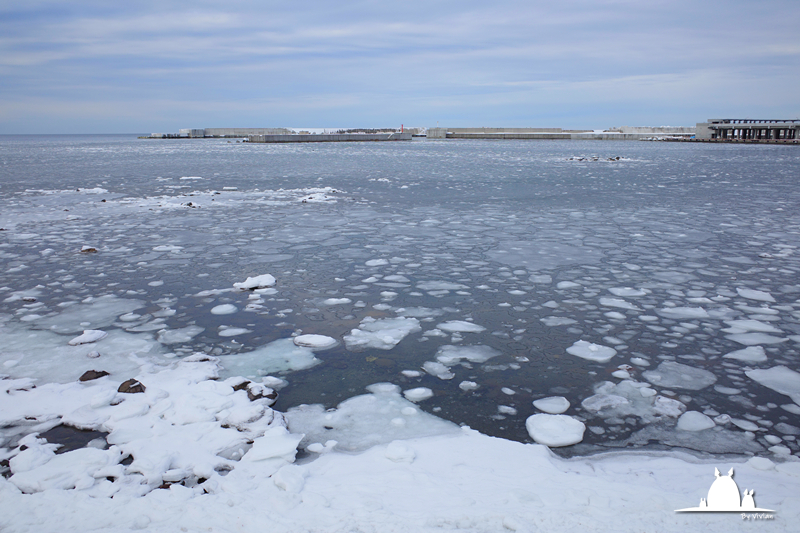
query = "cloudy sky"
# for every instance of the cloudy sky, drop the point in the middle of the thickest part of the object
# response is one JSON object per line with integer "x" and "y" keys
{"x": 141, "y": 66}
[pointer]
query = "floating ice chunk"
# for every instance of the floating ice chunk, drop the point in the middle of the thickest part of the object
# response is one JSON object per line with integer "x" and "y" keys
{"x": 319, "y": 342}
{"x": 278, "y": 356}
{"x": 440, "y": 286}
{"x": 683, "y": 313}
{"x": 383, "y": 334}
{"x": 751, "y": 354}
{"x": 223, "y": 309}
{"x": 376, "y": 262}
{"x": 228, "y": 331}
{"x": 337, "y": 301}
{"x": 257, "y": 282}
{"x": 640, "y": 361}
{"x": 744, "y": 424}
{"x": 567, "y": 285}
{"x": 670, "y": 374}
{"x": 554, "y": 405}
{"x": 751, "y": 339}
{"x": 460, "y": 326}
{"x": 552, "y": 321}
{"x": 591, "y": 351}
{"x": 411, "y": 373}
{"x": 175, "y": 336}
{"x": 418, "y": 312}
{"x": 467, "y": 385}
{"x": 361, "y": 422}
{"x": 438, "y": 370}
{"x": 555, "y": 430}
{"x": 418, "y": 394}
{"x": 752, "y": 294}
{"x": 627, "y": 292}
{"x": 792, "y": 408}
{"x": 780, "y": 379}
{"x": 451, "y": 355}
{"x": 694, "y": 421}
{"x": 540, "y": 278}
{"x": 600, "y": 402}
{"x": 617, "y": 302}
{"x": 89, "y": 336}
{"x": 741, "y": 326}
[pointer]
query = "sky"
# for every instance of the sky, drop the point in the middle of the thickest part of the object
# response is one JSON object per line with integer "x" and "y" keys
{"x": 158, "y": 66}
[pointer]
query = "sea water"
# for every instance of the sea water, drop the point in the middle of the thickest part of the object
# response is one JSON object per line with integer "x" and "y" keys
{"x": 627, "y": 282}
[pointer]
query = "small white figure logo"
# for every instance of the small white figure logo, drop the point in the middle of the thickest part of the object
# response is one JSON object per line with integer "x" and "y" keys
{"x": 723, "y": 497}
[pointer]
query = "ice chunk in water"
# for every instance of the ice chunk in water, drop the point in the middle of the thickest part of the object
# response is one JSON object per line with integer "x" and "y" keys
{"x": 780, "y": 379}
{"x": 460, "y": 326}
{"x": 670, "y": 374}
{"x": 751, "y": 354}
{"x": 223, "y": 309}
{"x": 451, "y": 355}
{"x": 752, "y": 294}
{"x": 694, "y": 421}
{"x": 319, "y": 342}
{"x": 384, "y": 333}
{"x": 257, "y": 282}
{"x": 278, "y": 356}
{"x": 555, "y": 430}
{"x": 361, "y": 422}
{"x": 683, "y": 313}
{"x": 591, "y": 351}
{"x": 751, "y": 339}
{"x": 418, "y": 394}
{"x": 554, "y": 405}
{"x": 89, "y": 336}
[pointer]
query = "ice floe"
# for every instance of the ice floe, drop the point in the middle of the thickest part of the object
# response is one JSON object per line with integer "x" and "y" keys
{"x": 591, "y": 351}
{"x": 555, "y": 430}
{"x": 382, "y": 333}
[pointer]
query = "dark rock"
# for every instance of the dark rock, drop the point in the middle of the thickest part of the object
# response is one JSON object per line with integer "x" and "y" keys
{"x": 131, "y": 387}
{"x": 242, "y": 386}
{"x": 88, "y": 250}
{"x": 257, "y": 392}
{"x": 92, "y": 374}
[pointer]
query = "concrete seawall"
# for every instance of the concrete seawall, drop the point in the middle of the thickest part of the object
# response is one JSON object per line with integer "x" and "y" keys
{"x": 338, "y": 137}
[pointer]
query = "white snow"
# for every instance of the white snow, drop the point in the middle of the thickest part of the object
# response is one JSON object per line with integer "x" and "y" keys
{"x": 256, "y": 282}
{"x": 554, "y": 405}
{"x": 591, "y": 351}
{"x": 555, "y": 430}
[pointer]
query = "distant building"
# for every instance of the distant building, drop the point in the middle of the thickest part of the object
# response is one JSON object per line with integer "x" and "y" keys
{"x": 744, "y": 130}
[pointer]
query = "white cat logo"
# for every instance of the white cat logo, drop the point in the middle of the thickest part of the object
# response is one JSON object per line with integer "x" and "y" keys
{"x": 723, "y": 497}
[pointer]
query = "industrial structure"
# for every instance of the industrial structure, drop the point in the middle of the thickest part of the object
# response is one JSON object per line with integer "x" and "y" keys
{"x": 624, "y": 133}
{"x": 749, "y": 130}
